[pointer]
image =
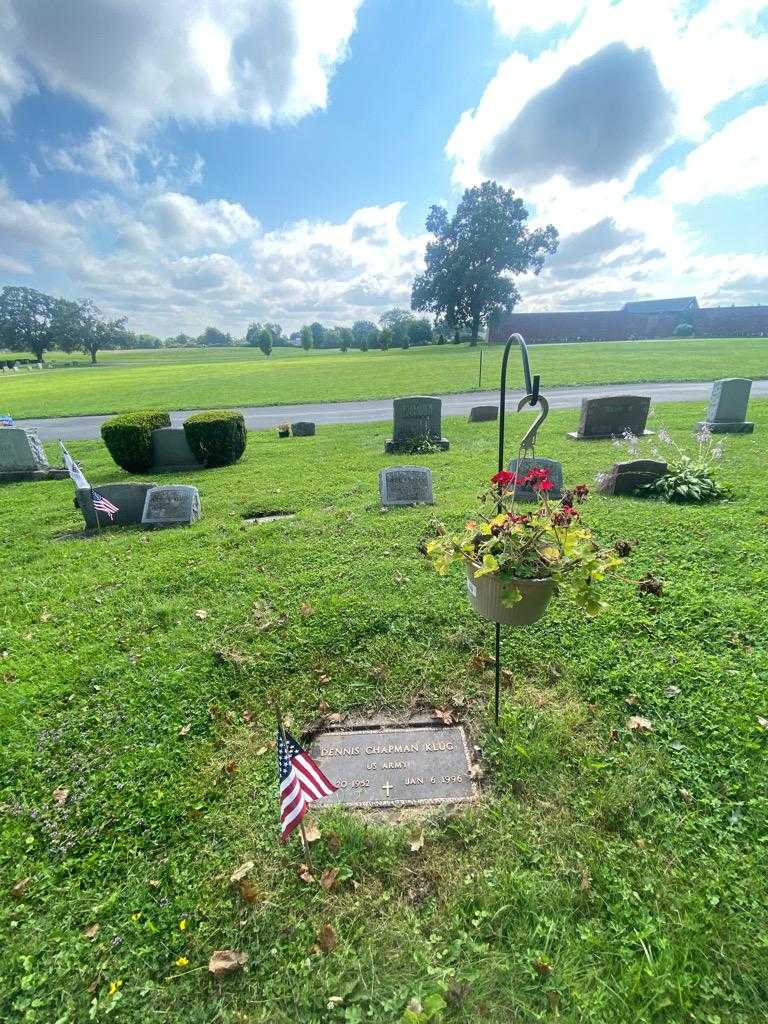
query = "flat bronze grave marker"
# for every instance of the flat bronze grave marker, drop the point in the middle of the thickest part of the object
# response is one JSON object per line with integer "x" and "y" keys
{"x": 387, "y": 767}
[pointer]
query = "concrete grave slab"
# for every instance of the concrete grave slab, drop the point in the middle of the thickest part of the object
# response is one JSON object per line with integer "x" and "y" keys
{"x": 171, "y": 505}
{"x": 405, "y": 485}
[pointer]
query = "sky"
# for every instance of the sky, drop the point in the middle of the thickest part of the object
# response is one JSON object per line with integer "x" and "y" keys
{"x": 195, "y": 162}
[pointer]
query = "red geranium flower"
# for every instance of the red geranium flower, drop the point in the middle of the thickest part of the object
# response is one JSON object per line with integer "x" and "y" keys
{"x": 504, "y": 478}
{"x": 543, "y": 485}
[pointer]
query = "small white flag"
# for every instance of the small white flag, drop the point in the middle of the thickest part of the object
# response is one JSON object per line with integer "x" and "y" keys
{"x": 75, "y": 473}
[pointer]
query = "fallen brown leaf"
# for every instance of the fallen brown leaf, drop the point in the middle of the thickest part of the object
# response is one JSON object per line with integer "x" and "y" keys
{"x": 328, "y": 878}
{"x": 542, "y": 967}
{"x": 201, "y": 614}
{"x": 46, "y": 617}
{"x": 239, "y": 873}
{"x": 224, "y": 962}
{"x": 762, "y": 722}
{"x": 632, "y": 700}
{"x": 585, "y": 882}
{"x": 336, "y": 718}
{"x": 639, "y": 724}
{"x": 480, "y": 660}
{"x": 686, "y": 795}
{"x": 476, "y": 771}
{"x": 248, "y": 717}
{"x": 327, "y": 939}
{"x": 305, "y": 874}
{"x": 230, "y": 768}
{"x": 248, "y": 891}
{"x": 444, "y": 715}
{"x": 311, "y": 831}
{"x": 306, "y": 609}
{"x": 19, "y": 890}
{"x": 60, "y": 796}
{"x": 92, "y": 930}
{"x": 417, "y": 843}
{"x": 232, "y": 657}
{"x": 261, "y": 751}
{"x": 184, "y": 730}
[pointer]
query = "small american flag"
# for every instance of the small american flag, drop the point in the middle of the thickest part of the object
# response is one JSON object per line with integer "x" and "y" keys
{"x": 301, "y": 783}
{"x": 102, "y": 504}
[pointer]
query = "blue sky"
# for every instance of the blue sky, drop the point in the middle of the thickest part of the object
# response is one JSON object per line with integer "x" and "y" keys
{"x": 219, "y": 161}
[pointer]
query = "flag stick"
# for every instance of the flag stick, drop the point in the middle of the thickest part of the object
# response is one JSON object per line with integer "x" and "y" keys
{"x": 96, "y": 513}
{"x": 304, "y": 842}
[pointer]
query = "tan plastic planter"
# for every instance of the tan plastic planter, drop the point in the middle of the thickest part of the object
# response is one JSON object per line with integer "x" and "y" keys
{"x": 485, "y": 596}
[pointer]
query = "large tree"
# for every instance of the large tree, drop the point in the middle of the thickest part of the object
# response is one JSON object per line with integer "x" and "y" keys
{"x": 30, "y": 320}
{"x": 362, "y": 332}
{"x": 307, "y": 340}
{"x": 474, "y": 253}
{"x": 212, "y": 337}
{"x": 82, "y": 327}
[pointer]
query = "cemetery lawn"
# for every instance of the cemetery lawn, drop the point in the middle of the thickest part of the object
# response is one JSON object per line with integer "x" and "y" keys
{"x": 606, "y": 875}
{"x": 217, "y": 378}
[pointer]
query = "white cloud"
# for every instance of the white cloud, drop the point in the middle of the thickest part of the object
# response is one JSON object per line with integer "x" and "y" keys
{"x": 514, "y": 16}
{"x": 11, "y": 266}
{"x": 731, "y": 161}
{"x": 171, "y": 263}
{"x": 186, "y": 224}
{"x": 142, "y": 62}
{"x": 701, "y": 60}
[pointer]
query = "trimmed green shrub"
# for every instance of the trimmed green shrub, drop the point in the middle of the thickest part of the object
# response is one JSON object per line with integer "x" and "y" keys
{"x": 129, "y": 438}
{"x": 216, "y": 438}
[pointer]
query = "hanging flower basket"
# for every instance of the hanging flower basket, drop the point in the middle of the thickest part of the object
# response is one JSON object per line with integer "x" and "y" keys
{"x": 515, "y": 562}
{"x": 491, "y": 597}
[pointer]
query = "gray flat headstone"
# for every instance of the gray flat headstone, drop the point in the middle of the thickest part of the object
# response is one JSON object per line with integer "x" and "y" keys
{"x": 170, "y": 450}
{"x": 172, "y": 505}
{"x": 521, "y": 466}
{"x": 130, "y": 499}
{"x": 303, "y": 428}
{"x": 386, "y": 767}
{"x": 21, "y": 451}
{"x": 611, "y": 416}
{"x": 626, "y": 477}
{"x": 483, "y": 413}
{"x": 728, "y": 407}
{"x": 405, "y": 485}
{"x": 416, "y": 420}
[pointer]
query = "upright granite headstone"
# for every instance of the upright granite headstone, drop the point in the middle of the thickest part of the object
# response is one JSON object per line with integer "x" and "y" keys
{"x": 22, "y": 457}
{"x": 405, "y": 485}
{"x": 303, "y": 428}
{"x": 416, "y": 421}
{"x": 172, "y": 505}
{"x": 728, "y": 407}
{"x": 626, "y": 477}
{"x": 611, "y": 416}
{"x": 130, "y": 499}
{"x": 170, "y": 450}
{"x": 521, "y": 466}
{"x": 483, "y": 413}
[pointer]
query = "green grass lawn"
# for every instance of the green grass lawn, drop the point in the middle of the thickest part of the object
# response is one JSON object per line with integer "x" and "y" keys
{"x": 193, "y": 378}
{"x": 603, "y": 877}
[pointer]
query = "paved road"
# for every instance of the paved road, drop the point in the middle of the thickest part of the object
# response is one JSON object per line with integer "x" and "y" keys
{"x": 81, "y": 428}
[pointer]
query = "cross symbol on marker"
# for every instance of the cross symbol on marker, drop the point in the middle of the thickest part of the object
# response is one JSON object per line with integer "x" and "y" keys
{"x": 387, "y": 786}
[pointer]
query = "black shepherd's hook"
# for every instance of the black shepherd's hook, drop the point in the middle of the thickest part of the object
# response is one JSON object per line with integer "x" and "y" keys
{"x": 531, "y": 393}
{"x": 532, "y": 397}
